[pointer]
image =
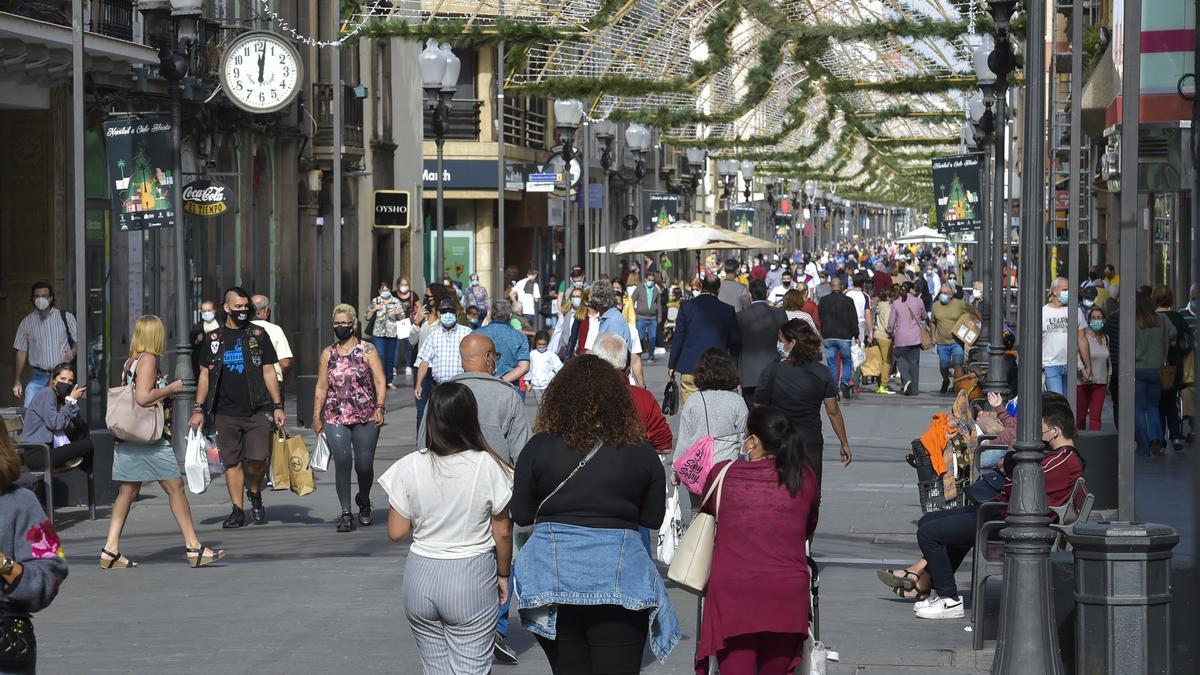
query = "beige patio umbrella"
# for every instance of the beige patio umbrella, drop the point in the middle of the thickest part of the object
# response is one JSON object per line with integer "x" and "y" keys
{"x": 685, "y": 236}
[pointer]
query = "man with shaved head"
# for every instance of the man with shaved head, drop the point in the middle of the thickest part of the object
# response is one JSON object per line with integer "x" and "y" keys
{"x": 283, "y": 350}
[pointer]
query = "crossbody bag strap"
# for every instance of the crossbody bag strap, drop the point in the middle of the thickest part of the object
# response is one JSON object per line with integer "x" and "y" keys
{"x": 707, "y": 427}
{"x": 587, "y": 458}
{"x": 717, "y": 486}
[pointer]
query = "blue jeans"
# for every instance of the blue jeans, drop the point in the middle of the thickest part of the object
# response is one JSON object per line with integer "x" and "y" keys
{"x": 38, "y": 379}
{"x": 386, "y": 347}
{"x": 647, "y": 330}
{"x": 426, "y": 390}
{"x": 1056, "y": 379}
{"x": 988, "y": 459}
{"x": 834, "y": 348}
{"x": 950, "y": 355}
{"x": 1148, "y": 419}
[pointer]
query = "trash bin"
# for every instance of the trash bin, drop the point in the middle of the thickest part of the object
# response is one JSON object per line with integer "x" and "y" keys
{"x": 1098, "y": 449}
{"x": 1123, "y": 597}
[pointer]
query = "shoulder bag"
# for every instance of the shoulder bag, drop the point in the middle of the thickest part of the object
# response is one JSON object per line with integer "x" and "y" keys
{"x": 1166, "y": 373}
{"x": 670, "y": 402}
{"x": 926, "y": 334}
{"x": 587, "y": 458}
{"x": 18, "y": 646}
{"x": 693, "y": 559}
{"x": 129, "y": 421}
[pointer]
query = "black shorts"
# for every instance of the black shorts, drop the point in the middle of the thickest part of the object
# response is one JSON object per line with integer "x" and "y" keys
{"x": 241, "y": 438}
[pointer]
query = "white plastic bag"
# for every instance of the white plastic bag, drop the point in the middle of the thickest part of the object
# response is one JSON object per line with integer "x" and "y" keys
{"x": 195, "y": 462}
{"x": 858, "y": 355}
{"x": 672, "y": 528}
{"x": 319, "y": 460}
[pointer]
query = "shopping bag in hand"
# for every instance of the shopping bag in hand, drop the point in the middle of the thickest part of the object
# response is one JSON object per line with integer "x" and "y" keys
{"x": 320, "y": 456}
{"x": 280, "y": 472}
{"x": 858, "y": 355}
{"x": 670, "y": 402}
{"x": 300, "y": 474}
{"x": 672, "y": 528}
{"x": 195, "y": 462}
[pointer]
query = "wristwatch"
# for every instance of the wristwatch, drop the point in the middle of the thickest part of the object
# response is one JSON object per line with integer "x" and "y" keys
{"x": 6, "y": 567}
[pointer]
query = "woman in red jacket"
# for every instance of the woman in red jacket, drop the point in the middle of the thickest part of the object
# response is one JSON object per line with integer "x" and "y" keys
{"x": 756, "y": 606}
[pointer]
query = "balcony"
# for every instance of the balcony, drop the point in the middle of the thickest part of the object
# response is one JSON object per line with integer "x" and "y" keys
{"x": 525, "y": 122}
{"x": 112, "y": 18}
{"x": 352, "y": 121}
{"x": 465, "y": 120}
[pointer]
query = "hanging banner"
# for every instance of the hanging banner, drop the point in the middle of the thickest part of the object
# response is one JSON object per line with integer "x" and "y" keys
{"x": 140, "y": 157}
{"x": 205, "y": 198}
{"x": 664, "y": 211}
{"x": 956, "y": 182}
{"x": 743, "y": 219}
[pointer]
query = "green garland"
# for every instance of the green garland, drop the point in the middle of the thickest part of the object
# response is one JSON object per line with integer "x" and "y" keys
{"x": 908, "y": 85}
{"x": 459, "y": 32}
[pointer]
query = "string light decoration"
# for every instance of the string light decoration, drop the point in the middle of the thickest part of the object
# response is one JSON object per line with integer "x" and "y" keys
{"x": 313, "y": 42}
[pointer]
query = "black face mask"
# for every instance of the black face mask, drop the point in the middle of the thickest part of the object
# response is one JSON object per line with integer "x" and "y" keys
{"x": 63, "y": 389}
{"x": 343, "y": 332}
{"x": 240, "y": 317}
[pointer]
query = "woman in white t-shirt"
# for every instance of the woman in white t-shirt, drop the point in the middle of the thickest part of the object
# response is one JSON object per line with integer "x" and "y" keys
{"x": 452, "y": 498}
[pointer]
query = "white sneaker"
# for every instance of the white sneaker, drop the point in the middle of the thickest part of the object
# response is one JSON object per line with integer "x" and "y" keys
{"x": 926, "y": 602}
{"x": 941, "y": 608}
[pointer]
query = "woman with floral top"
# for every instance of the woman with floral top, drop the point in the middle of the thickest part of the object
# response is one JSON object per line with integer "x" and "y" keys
{"x": 387, "y": 313}
{"x": 348, "y": 407}
{"x": 410, "y": 306}
{"x": 476, "y": 296}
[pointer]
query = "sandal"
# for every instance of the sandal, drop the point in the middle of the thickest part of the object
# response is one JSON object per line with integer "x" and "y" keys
{"x": 115, "y": 560}
{"x": 906, "y": 582}
{"x": 203, "y": 556}
{"x": 904, "y": 594}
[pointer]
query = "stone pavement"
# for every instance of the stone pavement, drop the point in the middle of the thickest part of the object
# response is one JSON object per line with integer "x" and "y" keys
{"x": 293, "y": 596}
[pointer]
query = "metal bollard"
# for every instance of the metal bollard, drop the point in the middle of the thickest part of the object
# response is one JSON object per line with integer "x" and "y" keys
{"x": 1123, "y": 597}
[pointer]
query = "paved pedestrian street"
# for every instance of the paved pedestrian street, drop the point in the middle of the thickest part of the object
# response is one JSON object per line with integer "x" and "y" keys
{"x": 294, "y": 596}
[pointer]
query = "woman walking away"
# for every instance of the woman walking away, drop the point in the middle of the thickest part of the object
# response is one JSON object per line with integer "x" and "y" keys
{"x": 135, "y": 463}
{"x": 1090, "y": 394}
{"x": 32, "y": 566}
{"x": 348, "y": 406}
{"x": 387, "y": 313}
{"x": 756, "y": 605}
{"x": 717, "y": 410}
{"x": 905, "y": 320}
{"x": 53, "y": 418}
{"x": 1153, "y": 338}
{"x": 452, "y": 498}
{"x": 588, "y": 479}
{"x": 798, "y": 385}
{"x": 1177, "y": 353}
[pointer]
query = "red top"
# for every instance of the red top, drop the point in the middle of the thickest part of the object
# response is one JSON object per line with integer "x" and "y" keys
{"x": 1061, "y": 468}
{"x": 882, "y": 280}
{"x": 759, "y": 580}
{"x": 810, "y": 308}
{"x": 658, "y": 431}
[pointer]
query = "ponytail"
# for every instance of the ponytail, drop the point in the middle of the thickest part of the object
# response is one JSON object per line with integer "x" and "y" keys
{"x": 782, "y": 439}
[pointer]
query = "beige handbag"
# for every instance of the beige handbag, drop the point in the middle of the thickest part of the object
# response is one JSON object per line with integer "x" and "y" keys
{"x": 129, "y": 421}
{"x": 693, "y": 559}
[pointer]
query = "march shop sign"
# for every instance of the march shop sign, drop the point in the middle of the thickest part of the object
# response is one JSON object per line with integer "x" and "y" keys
{"x": 205, "y": 198}
{"x": 140, "y": 156}
{"x": 956, "y": 184}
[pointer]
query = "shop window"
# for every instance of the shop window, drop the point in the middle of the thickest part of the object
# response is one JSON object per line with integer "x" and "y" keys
{"x": 1162, "y": 235}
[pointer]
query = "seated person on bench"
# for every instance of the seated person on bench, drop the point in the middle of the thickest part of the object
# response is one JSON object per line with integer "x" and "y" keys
{"x": 946, "y": 537}
{"x": 53, "y": 418}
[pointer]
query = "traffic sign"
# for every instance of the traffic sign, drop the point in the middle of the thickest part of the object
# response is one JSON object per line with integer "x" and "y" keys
{"x": 391, "y": 209}
{"x": 541, "y": 182}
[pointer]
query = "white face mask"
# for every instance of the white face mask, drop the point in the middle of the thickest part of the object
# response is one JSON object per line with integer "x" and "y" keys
{"x": 208, "y": 315}
{"x": 42, "y": 303}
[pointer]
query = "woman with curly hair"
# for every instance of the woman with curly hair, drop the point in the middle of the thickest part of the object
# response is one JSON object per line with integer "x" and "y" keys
{"x": 586, "y": 481}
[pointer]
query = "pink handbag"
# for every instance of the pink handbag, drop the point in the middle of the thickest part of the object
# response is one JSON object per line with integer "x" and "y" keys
{"x": 693, "y": 466}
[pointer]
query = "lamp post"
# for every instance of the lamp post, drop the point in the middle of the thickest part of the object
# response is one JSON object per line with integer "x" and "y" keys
{"x": 994, "y": 69}
{"x": 174, "y": 25}
{"x": 727, "y": 169}
{"x": 637, "y": 137}
{"x": 567, "y": 115}
{"x": 439, "y": 76}
{"x": 605, "y": 132}
{"x": 1028, "y": 642}
{"x": 696, "y": 159}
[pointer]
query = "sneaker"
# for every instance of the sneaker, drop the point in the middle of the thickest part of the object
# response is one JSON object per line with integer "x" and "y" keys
{"x": 345, "y": 522}
{"x": 884, "y": 390}
{"x": 502, "y": 651}
{"x": 846, "y": 391}
{"x": 257, "y": 512}
{"x": 945, "y": 386}
{"x": 936, "y": 607}
{"x": 237, "y": 518}
{"x": 364, "y": 510}
{"x": 907, "y": 388}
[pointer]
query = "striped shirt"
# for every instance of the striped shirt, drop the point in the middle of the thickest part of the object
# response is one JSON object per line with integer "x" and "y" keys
{"x": 440, "y": 350}
{"x": 45, "y": 339}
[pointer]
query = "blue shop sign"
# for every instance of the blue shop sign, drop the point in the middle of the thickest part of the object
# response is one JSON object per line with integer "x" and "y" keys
{"x": 472, "y": 174}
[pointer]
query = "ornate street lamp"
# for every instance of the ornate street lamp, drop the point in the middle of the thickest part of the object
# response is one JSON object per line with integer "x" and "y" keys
{"x": 747, "y": 170}
{"x": 637, "y": 137}
{"x": 727, "y": 169}
{"x": 606, "y": 133}
{"x": 697, "y": 158}
{"x": 568, "y": 113}
{"x": 439, "y": 77}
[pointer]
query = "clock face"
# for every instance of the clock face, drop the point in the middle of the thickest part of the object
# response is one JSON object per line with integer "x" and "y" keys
{"x": 261, "y": 72}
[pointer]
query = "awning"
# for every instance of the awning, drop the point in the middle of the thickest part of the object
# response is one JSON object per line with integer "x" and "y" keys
{"x": 686, "y": 236}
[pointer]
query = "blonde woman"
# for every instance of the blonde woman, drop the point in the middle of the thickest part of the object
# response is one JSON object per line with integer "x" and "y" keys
{"x": 136, "y": 463}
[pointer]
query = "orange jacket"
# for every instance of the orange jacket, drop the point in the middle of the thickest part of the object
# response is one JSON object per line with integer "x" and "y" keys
{"x": 934, "y": 440}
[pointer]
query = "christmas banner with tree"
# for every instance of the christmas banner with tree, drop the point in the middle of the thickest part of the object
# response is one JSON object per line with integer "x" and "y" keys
{"x": 956, "y": 182}
{"x": 140, "y": 160}
{"x": 664, "y": 211}
{"x": 743, "y": 219}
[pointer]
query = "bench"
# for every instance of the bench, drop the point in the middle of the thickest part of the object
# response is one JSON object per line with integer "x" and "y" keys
{"x": 47, "y": 477}
{"x": 989, "y": 555}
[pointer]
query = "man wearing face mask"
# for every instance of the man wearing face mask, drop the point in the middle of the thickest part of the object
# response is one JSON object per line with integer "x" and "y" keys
{"x": 509, "y": 343}
{"x": 648, "y": 310}
{"x": 46, "y": 338}
{"x": 947, "y": 310}
{"x": 239, "y": 389}
{"x": 196, "y": 336}
{"x": 733, "y": 292}
{"x": 438, "y": 356}
{"x": 1055, "y": 326}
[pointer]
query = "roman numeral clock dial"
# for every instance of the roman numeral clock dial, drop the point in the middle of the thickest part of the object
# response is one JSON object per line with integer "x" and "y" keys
{"x": 261, "y": 72}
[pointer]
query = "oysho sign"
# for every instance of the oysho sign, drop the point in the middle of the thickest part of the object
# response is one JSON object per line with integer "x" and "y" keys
{"x": 205, "y": 198}
{"x": 391, "y": 208}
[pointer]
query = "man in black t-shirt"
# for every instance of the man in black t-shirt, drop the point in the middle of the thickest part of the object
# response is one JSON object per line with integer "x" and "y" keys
{"x": 237, "y": 386}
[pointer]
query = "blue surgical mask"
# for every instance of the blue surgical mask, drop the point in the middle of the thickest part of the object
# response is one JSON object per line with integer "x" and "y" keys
{"x": 1087, "y": 303}
{"x": 943, "y": 298}
{"x": 542, "y": 348}
{"x": 448, "y": 319}
{"x": 208, "y": 315}
{"x": 1064, "y": 296}
{"x": 474, "y": 282}
{"x": 385, "y": 294}
{"x": 476, "y": 323}
{"x": 575, "y": 302}
{"x": 781, "y": 349}
{"x": 1096, "y": 325}
{"x": 649, "y": 284}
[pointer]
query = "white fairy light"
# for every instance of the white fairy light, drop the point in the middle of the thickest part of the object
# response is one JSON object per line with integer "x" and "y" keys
{"x": 313, "y": 42}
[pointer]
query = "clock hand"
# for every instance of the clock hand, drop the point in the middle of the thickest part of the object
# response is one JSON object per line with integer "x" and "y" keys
{"x": 262, "y": 60}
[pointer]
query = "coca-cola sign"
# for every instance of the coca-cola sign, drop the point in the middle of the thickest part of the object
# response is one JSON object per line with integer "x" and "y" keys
{"x": 205, "y": 198}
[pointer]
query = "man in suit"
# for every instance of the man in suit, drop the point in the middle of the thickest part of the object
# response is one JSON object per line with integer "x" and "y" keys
{"x": 759, "y": 327}
{"x": 732, "y": 291}
{"x": 703, "y": 322}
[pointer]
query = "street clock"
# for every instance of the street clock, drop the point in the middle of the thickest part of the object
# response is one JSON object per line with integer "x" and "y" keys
{"x": 261, "y": 72}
